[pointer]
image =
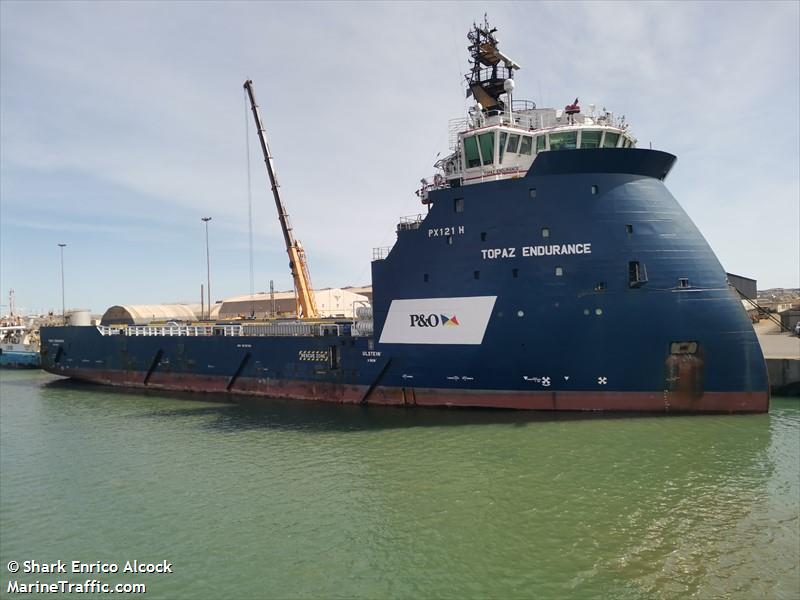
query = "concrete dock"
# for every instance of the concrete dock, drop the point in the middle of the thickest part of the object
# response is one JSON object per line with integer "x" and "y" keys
{"x": 782, "y": 353}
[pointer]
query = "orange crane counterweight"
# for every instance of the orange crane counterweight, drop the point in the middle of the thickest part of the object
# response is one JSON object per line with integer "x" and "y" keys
{"x": 306, "y": 305}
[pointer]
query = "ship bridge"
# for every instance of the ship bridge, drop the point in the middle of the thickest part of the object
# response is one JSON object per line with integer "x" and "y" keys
{"x": 501, "y": 137}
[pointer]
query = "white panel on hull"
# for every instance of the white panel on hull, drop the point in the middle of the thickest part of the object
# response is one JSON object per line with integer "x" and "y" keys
{"x": 438, "y": 320}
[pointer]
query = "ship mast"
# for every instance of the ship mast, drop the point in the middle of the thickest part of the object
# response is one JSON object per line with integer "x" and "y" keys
{"x": 490, "y": 68}
{"x": 306, "y": 305}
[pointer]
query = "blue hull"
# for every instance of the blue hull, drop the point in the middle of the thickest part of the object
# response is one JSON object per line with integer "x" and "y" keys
{"x": 582, "y": 286}
{"x": 19, "y": 360}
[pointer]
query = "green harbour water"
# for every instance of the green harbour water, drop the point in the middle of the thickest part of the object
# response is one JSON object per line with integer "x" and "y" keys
{"x": 278, "y": 499}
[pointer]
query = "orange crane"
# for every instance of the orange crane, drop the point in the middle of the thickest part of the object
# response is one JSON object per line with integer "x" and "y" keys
{"x": 306, "y": 305}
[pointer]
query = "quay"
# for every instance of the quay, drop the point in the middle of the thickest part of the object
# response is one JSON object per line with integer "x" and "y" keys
{"x": 782, "y": 353}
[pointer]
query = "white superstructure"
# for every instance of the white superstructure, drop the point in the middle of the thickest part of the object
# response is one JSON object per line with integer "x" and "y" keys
{"x": 501, "y": 137}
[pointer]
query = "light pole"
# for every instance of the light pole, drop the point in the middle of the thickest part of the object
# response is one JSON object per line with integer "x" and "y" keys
{"x": 63, "y": 310}
{"x": 208, "y": 266}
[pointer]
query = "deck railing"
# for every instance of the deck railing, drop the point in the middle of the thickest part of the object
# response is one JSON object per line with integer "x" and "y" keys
{"x": 271, "y": 329}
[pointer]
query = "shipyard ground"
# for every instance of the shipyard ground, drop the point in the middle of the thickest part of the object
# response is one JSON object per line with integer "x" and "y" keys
{"x": 782, "y": 353}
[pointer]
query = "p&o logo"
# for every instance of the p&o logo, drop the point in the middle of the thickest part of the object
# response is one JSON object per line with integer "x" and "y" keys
{"x": 433, "y": 320}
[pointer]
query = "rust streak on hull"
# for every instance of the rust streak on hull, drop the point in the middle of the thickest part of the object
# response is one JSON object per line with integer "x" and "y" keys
{"x": 656, "y": 402}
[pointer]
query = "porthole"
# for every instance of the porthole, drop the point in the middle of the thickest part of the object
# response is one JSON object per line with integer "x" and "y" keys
{"x": 598, "y": 311}
{"x": 520, "y": 313}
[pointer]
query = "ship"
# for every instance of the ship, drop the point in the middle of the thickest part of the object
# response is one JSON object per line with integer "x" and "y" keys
{"x": 19, "y": 341}
{"x": 550, "y": 268}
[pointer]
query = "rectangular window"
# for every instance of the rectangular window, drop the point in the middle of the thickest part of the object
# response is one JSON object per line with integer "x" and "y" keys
{"x": 628, "y": 228}
{"x": 627, "y": 143}
{"x": 476, "y": 274}
{"x": 449, "y": 240}
{"x": 591, "y": 139}
{"x": 594, "y": 190}
{"x": 513, "y": 142}
{"x": 566, "y": 140}
{"x": 487, "y": 147}
{"x": 545, "y": 232}
{"x": 483, "y": 236}
{"x": 515, "y": 273}
{"x": 532, "y": 192}
{"x": 541, "y": 143}
{"x": 425, "y": 277}
{"x": 611, "y": 139}
{"x": 600, "y": 286}
{"x": 559, "y": 271}
{"x": 502, "y": 145}
{"x": 526, "y": 145}
{"x": 637, "y": 274}
{"x": 458, "y": 205}
{"x": 471, "y": 152}
{"x": 683, "y": 282}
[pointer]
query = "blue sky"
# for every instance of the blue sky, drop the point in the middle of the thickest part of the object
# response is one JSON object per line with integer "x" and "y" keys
{"x": 122, "y": 124}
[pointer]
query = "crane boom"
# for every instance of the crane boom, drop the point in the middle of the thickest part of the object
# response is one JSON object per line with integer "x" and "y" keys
{"x": 306, "y": 305}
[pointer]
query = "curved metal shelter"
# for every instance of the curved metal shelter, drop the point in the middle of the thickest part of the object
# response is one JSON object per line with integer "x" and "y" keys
{"x": 142, "y": 314}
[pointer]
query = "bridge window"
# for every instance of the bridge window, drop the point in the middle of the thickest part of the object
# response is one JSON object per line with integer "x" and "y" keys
{"x": 541, "y": 143}
{"x": 487, "y": 147}
{"x": 471, "y": 152}
{"x": 502, "y": 145}
{"x": 513, "y": 143}
{"x": 566, "y": 140}
{"x": 611, "y": 139}
{"x": 526, "y": 145}
{"x": 591, "y": 139}
{"x": 627, "y": 143}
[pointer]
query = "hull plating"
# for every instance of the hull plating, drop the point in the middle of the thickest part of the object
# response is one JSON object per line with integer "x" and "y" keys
{"x": 709, "y": 402}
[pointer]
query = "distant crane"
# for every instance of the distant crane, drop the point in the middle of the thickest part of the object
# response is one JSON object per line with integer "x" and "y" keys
{"x": 306, "y": 305}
